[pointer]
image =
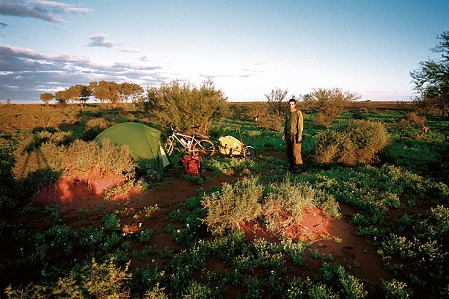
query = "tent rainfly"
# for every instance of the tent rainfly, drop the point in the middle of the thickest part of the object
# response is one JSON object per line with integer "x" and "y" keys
{"x": 143, "y": 141}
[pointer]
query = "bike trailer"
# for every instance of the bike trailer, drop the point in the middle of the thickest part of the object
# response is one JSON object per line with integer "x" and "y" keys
{"x": 230, "y": 146}
{"x": 192, "y": 163}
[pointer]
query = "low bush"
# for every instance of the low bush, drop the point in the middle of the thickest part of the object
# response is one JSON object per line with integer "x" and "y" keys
{"x": 42, "y": 158}
{"x": 356, "y": 142}
{"x": 422, "y": 245}
{"x": 93, "y": 280}
{"x": 80, "y": 157}
{"x": 322, "y": 119}
{"x": 344, "y": 284}
{"x": 95, "y": 126}
{"x": 396, "y": 289}
{"x": 278, "y": 206}
{"x": 232, "y": 205}
{"x": 285, "y": 202}
{"x": 329, "y": 103}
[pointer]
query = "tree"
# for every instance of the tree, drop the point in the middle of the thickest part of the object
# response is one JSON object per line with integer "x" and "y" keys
{"x": 114, "y": 93}
{"x": 328, "y": 103}
{"x": 46, "y": 97}
{"x": 71, "y": 94}
{"x": 106, "y": 92}
{"x": 84, "y": 93}
{"x": 184, "y": 105}
{"x": 130, "y": 90}
{"x": 59, "y": 96}
{"x": 276, "y": 100}
{"x": 431, "y": 79}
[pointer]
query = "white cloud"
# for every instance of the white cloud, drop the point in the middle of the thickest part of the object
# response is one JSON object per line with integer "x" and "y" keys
{"x": 28, "y": 72}
{"x": 40, "y": 9}
{"x": 100, "y": 41}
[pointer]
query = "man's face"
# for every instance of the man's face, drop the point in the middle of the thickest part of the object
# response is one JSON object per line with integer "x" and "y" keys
{"x": 292, "y": 106}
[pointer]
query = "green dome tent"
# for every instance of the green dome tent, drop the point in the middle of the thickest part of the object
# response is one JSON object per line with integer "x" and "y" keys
{"x": 143, "y": 141}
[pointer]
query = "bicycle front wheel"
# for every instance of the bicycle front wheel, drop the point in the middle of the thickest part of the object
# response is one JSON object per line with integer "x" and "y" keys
{"x": 168, "y": 146}
{"x": 205, "y": 147}
{"x": 249, "y": 152}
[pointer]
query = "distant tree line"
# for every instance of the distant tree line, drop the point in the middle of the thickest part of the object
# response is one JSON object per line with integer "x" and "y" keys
{"x": 181, "y": 105}
{"x": 328, "y": 103}
{"x": 107, "y": 92}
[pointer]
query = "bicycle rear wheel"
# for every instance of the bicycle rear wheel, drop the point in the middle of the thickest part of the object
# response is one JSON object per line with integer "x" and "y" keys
{"x": 168, "y": 146}
{"x": 249, "y": 152}
{"x": 205, "y": 147}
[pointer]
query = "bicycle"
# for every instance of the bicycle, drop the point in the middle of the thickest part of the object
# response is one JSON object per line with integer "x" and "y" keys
{"x": 231, "y": 146}
{"x": 195, "y": 143}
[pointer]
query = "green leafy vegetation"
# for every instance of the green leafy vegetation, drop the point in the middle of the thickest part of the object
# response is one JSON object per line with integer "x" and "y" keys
{"x": 43, "y": 158}
{"x": 184, "y": 105}
{"x": 390, "y": 178}
{"x": 358, "y": 141}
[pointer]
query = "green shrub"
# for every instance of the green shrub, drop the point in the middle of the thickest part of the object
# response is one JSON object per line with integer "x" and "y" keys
{"x": 395, "y": 289}
{"x": 357, "y": 142}
{"x": 111, "y": 222}
{"x": 282, "y": 205}
{"x": 328, "y": 103}
{"x": 309, "y": 289}
{"x": 228, "y": 166}
{"x": 95, "y": 126}
{"x": 143, "y": 279}
{"x": 112, "y": 192}
{"x": 185, "y": 105}
{"x": 198, "y": 291}
{"x": 7, "y": 203}
{"x": 42, "y": 158}
{"x": 32, "y": 142}
{"x": 29, "y": 158}
{"x": 424, "y": 247}
{"x": 98, "y": 123}
{"x": 295, "y": 250}
{"x": 343, "y": 283}
{"x": 285, "y": 202}
{"x": 156, "y": 293}
{"x": 232, "y": 205}
{"x": 25, "y": 186}
{"x": 420, "y": 156}
{"x": 92, "y": 280}
{"x": 84, "y": 157}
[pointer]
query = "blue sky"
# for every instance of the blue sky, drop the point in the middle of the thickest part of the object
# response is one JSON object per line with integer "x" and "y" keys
{"x": 247, "y": 47}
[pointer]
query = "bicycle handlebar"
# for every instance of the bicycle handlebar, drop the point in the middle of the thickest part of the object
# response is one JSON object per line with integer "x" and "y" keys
{"x": 174, "y": 130}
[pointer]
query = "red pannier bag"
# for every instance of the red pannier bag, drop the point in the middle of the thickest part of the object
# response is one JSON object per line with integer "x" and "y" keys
{"x": 192, "y": 164}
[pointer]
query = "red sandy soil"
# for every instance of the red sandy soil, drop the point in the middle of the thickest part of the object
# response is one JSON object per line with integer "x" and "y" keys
{"x": 327, "y": 235}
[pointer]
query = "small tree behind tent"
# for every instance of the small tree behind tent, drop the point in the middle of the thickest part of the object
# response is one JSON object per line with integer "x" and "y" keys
{"x": 143, "y": 141}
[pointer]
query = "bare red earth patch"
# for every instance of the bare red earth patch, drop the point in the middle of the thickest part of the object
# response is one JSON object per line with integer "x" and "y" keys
{"x": 78, "y": 190}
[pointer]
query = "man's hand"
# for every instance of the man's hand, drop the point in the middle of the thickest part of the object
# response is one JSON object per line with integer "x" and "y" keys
{"x": 298, "y": 139}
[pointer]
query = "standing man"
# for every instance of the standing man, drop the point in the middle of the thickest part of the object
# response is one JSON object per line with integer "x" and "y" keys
{"x": 294, "y": 124}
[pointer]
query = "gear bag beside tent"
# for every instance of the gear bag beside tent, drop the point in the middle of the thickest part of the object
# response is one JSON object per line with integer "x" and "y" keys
{"x": 144, "y": 143}
{"x": 192, "y": 163}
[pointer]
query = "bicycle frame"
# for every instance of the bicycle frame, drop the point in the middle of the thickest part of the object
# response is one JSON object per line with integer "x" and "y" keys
{"x": 187, "y": 141}
{"x": 192, "y": 143}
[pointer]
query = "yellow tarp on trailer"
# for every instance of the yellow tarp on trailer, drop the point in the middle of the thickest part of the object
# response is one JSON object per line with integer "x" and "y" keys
{"x": 230, "y": 146}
